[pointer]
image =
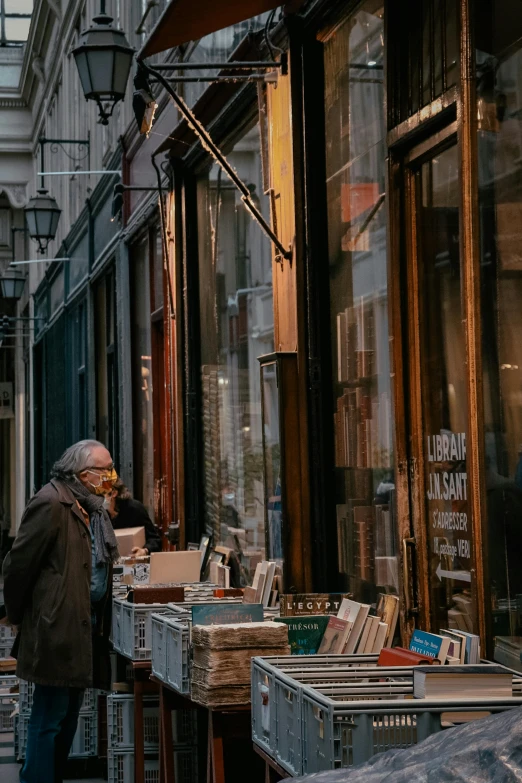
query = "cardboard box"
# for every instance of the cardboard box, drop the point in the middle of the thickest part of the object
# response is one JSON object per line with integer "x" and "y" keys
{"x": 174, "y": 567}
{"x": 128, "y": 538}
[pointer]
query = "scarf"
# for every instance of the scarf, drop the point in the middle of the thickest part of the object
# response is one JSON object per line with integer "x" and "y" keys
{"x": 105, "y": 544}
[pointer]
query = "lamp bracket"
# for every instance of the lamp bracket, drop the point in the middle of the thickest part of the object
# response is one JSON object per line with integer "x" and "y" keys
{"x": 84, "y": 150}
{"x": 215, "y": 152}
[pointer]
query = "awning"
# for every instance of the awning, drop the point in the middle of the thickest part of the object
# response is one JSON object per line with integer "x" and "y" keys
{"x": 189, "y": 20}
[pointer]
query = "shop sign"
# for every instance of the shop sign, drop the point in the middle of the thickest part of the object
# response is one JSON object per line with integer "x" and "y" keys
{"x": 447, "y": 495}
{"x": 6, "y": 401}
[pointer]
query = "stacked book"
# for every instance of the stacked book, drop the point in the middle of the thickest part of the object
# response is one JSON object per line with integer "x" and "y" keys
{"x": 449, "y": 646}
{"x": 352, "y": 630}
{"x": 222, "y": 656}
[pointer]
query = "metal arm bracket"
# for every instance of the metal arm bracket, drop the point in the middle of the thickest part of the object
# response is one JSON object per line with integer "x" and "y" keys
{"x": 212, "y": 149}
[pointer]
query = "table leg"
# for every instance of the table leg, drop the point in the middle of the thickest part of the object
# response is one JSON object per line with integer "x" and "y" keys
{"x": 139, "y": 740}
{"x": 215, "y": 721}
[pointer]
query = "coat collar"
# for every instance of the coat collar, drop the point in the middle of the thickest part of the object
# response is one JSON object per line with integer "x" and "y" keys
{"x": 66, "y": 497}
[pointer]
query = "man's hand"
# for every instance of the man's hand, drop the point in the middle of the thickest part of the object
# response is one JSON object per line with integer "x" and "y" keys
{"x": 4, "y": 621}
{"x": 139, "y": 551}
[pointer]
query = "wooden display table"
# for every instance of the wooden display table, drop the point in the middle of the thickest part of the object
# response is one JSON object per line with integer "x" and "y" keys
{"x": 224, "y": 723}
{"x": 273, "y": 772}
{"x": 142, "y": 686}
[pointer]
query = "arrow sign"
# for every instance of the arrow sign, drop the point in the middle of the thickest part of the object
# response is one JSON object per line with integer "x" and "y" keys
{"x": 459, "y": 576}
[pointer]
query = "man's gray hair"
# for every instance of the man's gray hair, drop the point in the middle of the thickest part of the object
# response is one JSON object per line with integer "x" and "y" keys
{"x": 74, "y": 459}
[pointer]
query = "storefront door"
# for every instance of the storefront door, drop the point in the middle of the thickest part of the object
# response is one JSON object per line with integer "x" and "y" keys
{"x": 439, "y": 585}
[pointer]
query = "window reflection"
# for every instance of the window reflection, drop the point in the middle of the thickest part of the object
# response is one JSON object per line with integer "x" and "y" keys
{"x": 142, "y": 377}
{"x": 499, "y": 93}
{"x": 355, "y": 153}
{"x": 235, "y": 293}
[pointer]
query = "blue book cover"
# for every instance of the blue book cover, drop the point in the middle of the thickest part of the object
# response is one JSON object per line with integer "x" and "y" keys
{"x": 428, "y": 644}
{"x": 227, "y": 614}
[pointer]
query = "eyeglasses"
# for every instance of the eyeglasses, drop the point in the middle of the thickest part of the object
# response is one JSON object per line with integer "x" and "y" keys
{"x": 100, "y": 470}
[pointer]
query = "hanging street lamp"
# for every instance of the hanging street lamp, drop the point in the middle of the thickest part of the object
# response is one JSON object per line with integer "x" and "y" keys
{"x": 103, "y": 58}
{"x": 12, "y": 284}
{"x": 42, "y": 214}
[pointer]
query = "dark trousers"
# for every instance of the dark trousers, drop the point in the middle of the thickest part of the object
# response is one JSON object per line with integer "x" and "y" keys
{"x": 50, "y": 734}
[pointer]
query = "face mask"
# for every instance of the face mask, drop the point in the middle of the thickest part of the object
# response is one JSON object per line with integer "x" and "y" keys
{"x": 106, "y": 482}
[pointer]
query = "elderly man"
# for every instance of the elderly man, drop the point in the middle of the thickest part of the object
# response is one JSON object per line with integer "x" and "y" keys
{"x": 57, "y": 591}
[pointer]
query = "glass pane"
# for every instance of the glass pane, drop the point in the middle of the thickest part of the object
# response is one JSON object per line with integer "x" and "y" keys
{"x": 444, "y": 393}
{"x": 272, "y": 461}
{"x": 356, "y": 164}
{"x": 499, "y": 80}
{"x": 452, "y": 42}
{"x": 142, "y": 377}
{"x": 427, "y": 41}
{"x": 158, "y": 271}
{"x": 235, "y": 273}
{"x": 217, "y": 47}
{"x": 16, "y": 29}
{"x": 18, "y": 6}
{"x": 57, "y": 292}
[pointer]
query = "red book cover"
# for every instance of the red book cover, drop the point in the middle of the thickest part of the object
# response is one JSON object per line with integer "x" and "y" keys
{"x": 399, "y": 656}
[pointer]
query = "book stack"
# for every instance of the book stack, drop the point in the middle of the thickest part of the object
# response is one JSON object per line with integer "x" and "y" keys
{"x": 452, "y": 647}
{"x": 264, "y": 588}
{"x": 212, "y": 447}
{"x": 222, "y": 659}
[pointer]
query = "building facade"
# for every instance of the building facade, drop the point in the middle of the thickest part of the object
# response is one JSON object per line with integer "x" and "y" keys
{"x": 352, "y": 410}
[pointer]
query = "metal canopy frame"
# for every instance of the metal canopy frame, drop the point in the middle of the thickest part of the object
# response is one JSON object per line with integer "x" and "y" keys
{"x": 213, "y": 149}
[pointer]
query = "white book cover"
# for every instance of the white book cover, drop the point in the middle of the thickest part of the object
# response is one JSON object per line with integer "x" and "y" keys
{"x": 371, "y": 636}
{"x": 355, "y": 633}
{"x": 269, "y": 579}
{"x": 364, "y": 636}
{"x": 380, "y": 638}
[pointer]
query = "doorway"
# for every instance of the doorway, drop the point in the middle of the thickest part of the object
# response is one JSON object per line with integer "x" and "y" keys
{"x": 441, "y": 593}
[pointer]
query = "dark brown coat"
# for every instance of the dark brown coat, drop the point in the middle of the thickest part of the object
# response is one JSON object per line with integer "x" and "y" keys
{"x": 47, "y": 578}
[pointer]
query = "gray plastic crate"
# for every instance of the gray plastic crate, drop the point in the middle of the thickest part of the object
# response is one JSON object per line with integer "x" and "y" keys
{"x": 85, "y": 741}
{"x": 337, "y": 733}
{"x": 89, "y": 703}
{"x": 7, "y": 635}
{"x": 16, "y": 721}
{"x": 159, "y": 645}
{"x": 177, "y": 636}
{"x": 305, "y": 739}
{"x": 266, "y": 722}
{"x": 116, "y": 623}
{"x": 121, "y": 766}
{"x": 136, "y": 630}
{"x": 8, "y": 704}
{"x": 5, "y": 649}
{"x": 120, "y": 722}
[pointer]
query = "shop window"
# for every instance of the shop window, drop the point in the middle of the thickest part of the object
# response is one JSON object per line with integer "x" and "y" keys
{"x": 142, "y": 376}
{"x": 363, "y": 426}
{"x": 236, "y": 326}
{"x": 106, "y": 367}
{"x": 423, "y": 62}
{"x": 499, "y": 95}
{"x": 78, "y": 370}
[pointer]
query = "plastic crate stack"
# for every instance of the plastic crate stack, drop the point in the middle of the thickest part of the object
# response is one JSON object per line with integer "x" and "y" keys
{"x": 131, "y": 634}
{"x": 315, "y": 713}
{"x": 8, "y": 702}
{"x": 85, "y": 741}
{"x": 7, "y": 638}
{"x": 120, "y": 736}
